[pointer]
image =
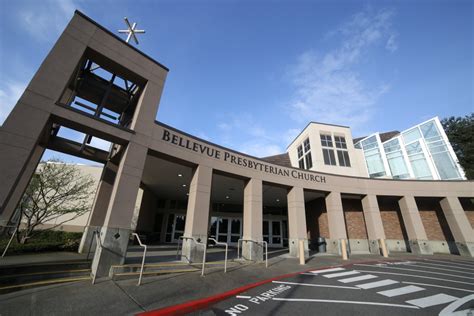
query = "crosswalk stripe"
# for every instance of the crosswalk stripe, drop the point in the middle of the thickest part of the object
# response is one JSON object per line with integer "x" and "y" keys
{"x": 432, "y": 300}
{"x": 358, "y": 278}
{"x": 340, "y": 274}
{"x": 372, "y": 285}
{"x": 327, "y": 270}
{"x": 401, "y": 291}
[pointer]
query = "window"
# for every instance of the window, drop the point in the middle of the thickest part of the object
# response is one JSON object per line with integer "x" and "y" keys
{"x": 309, "y": 161}
{"x": 305, "y": 160}
{"x": 343, "y": 156}
{"x": 326, "y": 141}
{"x": 328, "y": 153}
{"x": 340, "y": 142}
{"x": 300, "y": 151}
{"x": 373, "y": 157}
{"x": 396, "y": 162}
{"x": 329, "y": 158}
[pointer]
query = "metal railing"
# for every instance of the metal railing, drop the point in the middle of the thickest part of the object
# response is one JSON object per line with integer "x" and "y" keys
{"x": 11, "y": 239}
{"x": 99, "y": 244}
{"x": 226, "y": 250}
{"x": 251, "y": 240}
{"x": 143, "y": 259}
{"x": 180, "y": 241}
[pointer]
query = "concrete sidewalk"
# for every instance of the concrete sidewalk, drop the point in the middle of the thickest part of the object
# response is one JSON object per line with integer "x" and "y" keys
{"x": 124, "y": 297}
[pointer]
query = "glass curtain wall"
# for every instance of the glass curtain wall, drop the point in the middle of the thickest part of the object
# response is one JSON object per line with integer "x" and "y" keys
{"x": 373, "y": 157}
{"x": 395, "y": 158}
{"x": 440, "y": 154}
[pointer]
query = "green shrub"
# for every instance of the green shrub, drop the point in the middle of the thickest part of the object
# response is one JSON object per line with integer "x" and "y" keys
{"x": 45, "y": 241}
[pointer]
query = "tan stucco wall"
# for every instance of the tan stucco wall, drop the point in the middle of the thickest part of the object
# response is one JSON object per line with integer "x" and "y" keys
{"x": 313, "y": 131}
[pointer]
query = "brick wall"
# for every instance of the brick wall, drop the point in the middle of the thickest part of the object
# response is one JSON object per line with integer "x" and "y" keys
{"x": 317, "y": 219}
{"x": 468, "y": 205}
{"x": 392, "y": 219}
{"x": 433, "y": 219}
{"x": 354, "y": 217}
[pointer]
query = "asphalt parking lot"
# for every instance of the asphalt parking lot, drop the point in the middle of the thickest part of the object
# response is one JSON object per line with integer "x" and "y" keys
{"x": 412, "y": 287}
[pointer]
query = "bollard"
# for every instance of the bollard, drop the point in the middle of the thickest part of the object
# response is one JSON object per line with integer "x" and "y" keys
{"x": 301, "y": 248}
{"x": 384, "y": 248}
{"x": 344, "y": 249}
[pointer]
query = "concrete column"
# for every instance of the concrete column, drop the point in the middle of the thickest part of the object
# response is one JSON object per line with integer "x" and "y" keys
{"x": 253, "y": 220}
{"x": 197, "y": 215}
{"x": 297, "y": 221}
{"x": 21, "y": 133}
{"x": 459, "y": 225}
{"x": 417, "y": 238}
{"x": 373, "y": 222}
{"x": 336, "y": 222}
{"x": 115, "y": 233}
{"x": 99, "y": 207}
{"x": 11, "y": 202}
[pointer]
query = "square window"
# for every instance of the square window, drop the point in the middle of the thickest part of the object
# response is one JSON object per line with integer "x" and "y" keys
{"x": 326, "y": 140}
{"x": 340, "y": 142}
{"x": 300, "y": 151}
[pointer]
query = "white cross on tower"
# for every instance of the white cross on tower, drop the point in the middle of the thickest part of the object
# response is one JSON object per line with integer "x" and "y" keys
{"x": 131, "y": 31}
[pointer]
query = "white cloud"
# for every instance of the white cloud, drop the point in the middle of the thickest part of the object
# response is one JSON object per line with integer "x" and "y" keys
{"x": 328, "y": 89}
{"x": 9, "y": 95}
{"x": 47, "y": 19}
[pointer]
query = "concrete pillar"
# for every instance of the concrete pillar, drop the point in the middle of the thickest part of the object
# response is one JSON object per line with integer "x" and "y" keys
{"x": 115, "y": 233}
{"x": 417, "y": 238}
{"x": 297, "y": 221}
{"x": 21, "y": 133}
{"x": 18, "y": 190}
{"x": 99, "y": 207}
{"x": 253, "y": 220}
{"x": 459, "y": 225}
{"x": 336, "y": 222}
{"x": 373, "y": 222}
{"x": 197, "y": 215}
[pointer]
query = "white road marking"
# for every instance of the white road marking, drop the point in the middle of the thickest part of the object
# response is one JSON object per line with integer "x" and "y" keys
{"x": 446, "y": 265}
{"x": 401, "y": 291}
{"x": 440, "y": 286}
{"x": 327, "y": 270}
{"x": 415, "y": 270}
{"x": 317, "y": 285}
{"x": 450, "y": 262}
{"x": 340, "y": 274}
{"x": 432, "y": 300}
{"x": 341, "y": 302}
{"x": 359, "y": 278}
{"x": 424, "y": 266}
{"x": 372, "y": 285}
{"x": 243, "y": 296}
{"x": 416, "y": 276}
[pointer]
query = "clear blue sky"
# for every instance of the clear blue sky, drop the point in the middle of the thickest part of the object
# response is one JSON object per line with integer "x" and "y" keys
{"x": 251, "y": 74}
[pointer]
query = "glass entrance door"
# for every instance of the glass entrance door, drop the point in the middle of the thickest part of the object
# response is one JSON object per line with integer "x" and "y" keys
{"x": 226, "y": 229}
{"x": 272, "y": 233}
{"x": 175, "y": 227}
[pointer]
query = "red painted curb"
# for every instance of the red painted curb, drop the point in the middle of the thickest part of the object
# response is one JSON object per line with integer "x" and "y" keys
{"x": 198, "y": 304}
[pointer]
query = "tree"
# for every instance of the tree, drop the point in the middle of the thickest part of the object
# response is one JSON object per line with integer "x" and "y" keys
{"x": 460, "y": 131}
{"x": 56, "y": 191}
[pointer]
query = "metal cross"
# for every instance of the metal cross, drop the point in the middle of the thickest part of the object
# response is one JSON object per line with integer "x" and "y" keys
{"x": 131, "y": 31}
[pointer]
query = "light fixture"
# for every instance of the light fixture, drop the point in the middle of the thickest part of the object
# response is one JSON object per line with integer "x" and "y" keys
{"x": 180, "y": 175}
{"x": 187, "y": 194}
{"x": 184, "y": 185}
{"x": 278, "y": 200}
{"x": 227, "y": 197}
